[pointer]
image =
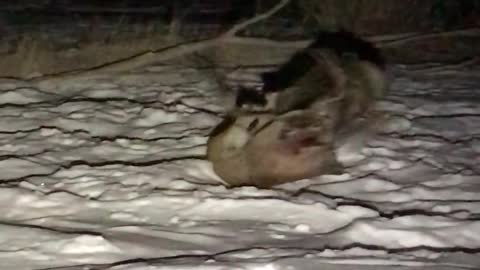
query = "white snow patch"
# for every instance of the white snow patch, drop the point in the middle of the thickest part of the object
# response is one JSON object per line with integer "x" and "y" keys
{"x": 100, "y": 181}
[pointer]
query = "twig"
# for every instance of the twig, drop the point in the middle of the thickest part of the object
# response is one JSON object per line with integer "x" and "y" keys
{"x": 229, "y": 37}
{"x": 236, "y": 28}
{"x": 443, "y": 67}
{"x": 392, "y": 37}
{"x": 264, "y": 42}
{"x": 164, "y": 53}
{"x": 463, "y": 32}
{"x": 132, "y": 62}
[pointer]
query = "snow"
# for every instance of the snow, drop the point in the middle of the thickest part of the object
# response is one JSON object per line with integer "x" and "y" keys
{"x": 108, "y": 172}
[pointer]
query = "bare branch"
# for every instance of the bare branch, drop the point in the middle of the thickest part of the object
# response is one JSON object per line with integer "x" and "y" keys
{"x": 264, "y": 42}
{"x": 462, "y": 32}
{"x": 238, "y": 27}
{"x": 380, "y": 41}
{"x": 139, "y": 60}
{"x": 392, "y": 37}
{"x": 462, "y": 64}
{"x": 229, "y": 37}
{"x": 165, "y": 53}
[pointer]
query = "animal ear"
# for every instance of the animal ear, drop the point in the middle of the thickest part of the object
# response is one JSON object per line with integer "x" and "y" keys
{"x": 224, "y": 125}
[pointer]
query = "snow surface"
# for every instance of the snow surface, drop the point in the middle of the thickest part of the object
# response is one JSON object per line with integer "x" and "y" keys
{"x": 107, "y": 172}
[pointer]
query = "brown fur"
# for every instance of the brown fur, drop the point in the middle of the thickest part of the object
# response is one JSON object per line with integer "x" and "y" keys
{"x": 266, "y": 156}
{"x": 274, "y": 159}
{"x": 297, "y": 138}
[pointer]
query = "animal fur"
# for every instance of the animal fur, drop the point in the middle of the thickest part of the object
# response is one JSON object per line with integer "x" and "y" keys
{"x": 339, "y": 43}
{"x": 344, "y": 80}
{"x": 264, "y": 150}
{"x": 314, "y": 104}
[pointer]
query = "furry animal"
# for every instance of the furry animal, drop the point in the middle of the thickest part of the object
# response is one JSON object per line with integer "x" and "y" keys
{"x": 314, "y": 104}
{"x": 339, "y": 78}
{"x": 264, "y": 150}
{"x": 311, "y": 74}
{"x": 340, "y": 43}
{"x": 340, "y": 91}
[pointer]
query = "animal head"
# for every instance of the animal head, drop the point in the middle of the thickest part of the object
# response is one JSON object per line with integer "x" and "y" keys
{"x": 234, "y": 132}
{"x": 227, "y": 144}
{"x": 255, "y": 101}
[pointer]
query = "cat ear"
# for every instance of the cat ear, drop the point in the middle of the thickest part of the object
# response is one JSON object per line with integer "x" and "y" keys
{"x": 227, "y": 122}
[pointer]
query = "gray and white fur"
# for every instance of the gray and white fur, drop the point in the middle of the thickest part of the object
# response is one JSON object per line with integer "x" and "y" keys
{"x": 330, "y": 104}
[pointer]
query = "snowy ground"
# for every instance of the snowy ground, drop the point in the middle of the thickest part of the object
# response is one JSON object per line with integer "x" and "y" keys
{"x": 107, "y": 173}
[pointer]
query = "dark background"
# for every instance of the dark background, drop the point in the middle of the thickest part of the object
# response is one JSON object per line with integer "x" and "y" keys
{"x": 31, "y": 28}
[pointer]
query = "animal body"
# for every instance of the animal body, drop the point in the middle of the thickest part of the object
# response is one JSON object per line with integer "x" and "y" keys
{"x": 264, "y": 150}
{"x": 341, "y": 44}
{"x": 313, "y": 103}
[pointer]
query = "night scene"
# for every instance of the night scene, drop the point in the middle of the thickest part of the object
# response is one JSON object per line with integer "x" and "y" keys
{"x": 240, "y": 134}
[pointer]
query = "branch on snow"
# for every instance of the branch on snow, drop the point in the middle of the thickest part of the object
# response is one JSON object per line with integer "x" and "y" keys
{"x": 163, "y": 54}
{"x": 230, "y": 37}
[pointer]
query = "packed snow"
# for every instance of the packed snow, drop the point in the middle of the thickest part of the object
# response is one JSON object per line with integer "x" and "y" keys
{"x": 108, "y": 172}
